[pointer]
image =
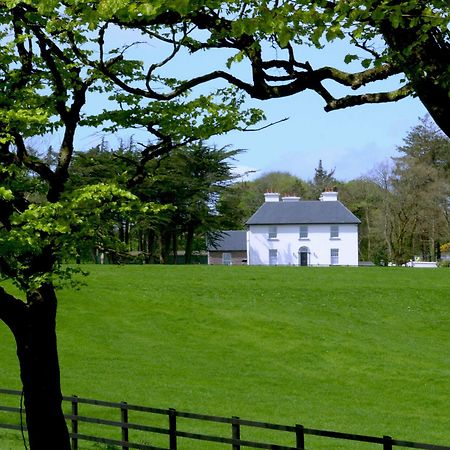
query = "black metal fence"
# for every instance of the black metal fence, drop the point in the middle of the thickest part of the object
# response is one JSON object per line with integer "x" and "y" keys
{"x": 171, "y": 434}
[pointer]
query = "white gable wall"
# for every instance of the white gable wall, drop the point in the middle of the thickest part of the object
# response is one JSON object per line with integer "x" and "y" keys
{"x": 287, "y": 243}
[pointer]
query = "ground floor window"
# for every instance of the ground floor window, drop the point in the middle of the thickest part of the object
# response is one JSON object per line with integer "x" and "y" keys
{"x": 334, "y": 256}
{"x": 226, "y": 259}
{"x": 273, "y": 257}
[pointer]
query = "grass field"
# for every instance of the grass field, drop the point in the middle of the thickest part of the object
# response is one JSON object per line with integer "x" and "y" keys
{"x": 358, "y": 350}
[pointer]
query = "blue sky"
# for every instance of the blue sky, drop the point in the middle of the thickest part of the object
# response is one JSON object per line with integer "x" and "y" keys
{"x": 351, "y": 141}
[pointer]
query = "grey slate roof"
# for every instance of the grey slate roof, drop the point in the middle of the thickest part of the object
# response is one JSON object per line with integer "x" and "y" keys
{"x": 302, "y": 212}
{"x": 229, "y": 241}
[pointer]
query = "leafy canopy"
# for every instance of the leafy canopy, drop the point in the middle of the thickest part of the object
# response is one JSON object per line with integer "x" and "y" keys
{"x": 86, "y": 214}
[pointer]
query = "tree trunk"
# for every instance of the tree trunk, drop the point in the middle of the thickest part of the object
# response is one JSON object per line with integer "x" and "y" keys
{"x": 140, "y": 241}
{"x": 165, "y": 239}
{"x": 127, "y": 235}
{"x": 189, "y": 243}
{"x": 175, "y": 247}
{"x": 34, "y": 328}
{"x": 369, "y": 232}
{"x": 150, "y": 249}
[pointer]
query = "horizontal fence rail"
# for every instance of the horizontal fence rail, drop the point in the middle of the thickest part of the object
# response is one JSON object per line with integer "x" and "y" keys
{"x": 174, "y": 435}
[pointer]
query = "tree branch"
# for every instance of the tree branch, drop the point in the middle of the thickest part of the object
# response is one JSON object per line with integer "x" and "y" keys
{"x": 267, "y": 126}
{"x": 25, "y": 58}
{"x": 31, "y": 163}
{"x": 153, "y": 67}
{"x": 71, "y": 86}
{"x": 380, "y": 97}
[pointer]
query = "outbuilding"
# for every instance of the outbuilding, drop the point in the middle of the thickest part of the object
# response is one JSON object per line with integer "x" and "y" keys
{"x": 228, "y": 248}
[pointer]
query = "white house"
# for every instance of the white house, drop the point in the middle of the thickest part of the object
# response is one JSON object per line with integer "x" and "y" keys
{"x": 290, "y": 231}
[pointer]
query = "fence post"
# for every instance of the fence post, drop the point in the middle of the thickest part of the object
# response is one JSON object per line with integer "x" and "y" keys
{"x": 172, "y": 429}
{"x": 74, "y": 421}
{"x": 387, "y": 443}
{"x": 124, "y": 420}
{"x": 235, "y": 433}
{"x": 300, "y": 436}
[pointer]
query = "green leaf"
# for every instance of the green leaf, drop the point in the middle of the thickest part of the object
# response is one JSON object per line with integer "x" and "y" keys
{"x": 6, "y": 194}
{"x": 284, "y": 36}
{"x": 366, "y": 63}
{"x": 349, "y": 58}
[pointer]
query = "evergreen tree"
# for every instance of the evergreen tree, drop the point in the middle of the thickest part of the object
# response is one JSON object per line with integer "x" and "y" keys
{"x": 322, "y": 181}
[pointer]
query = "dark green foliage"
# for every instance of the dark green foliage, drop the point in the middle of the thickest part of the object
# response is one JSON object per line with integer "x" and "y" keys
{"x": 190, "y": 180}
{"x": 323, "y": 180}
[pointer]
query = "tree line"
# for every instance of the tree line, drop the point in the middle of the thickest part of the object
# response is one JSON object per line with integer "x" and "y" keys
{"x": 403, "y": 204}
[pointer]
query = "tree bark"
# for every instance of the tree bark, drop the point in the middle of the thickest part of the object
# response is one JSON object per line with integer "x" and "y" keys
{"x": 150, "y": 249}
{"x": 369, "y": 232}
{"x": 175, "y": 247}
{"x": 189, "y": 243}
{"x": 34, "y": 327}
{"x": 165, "y": 239}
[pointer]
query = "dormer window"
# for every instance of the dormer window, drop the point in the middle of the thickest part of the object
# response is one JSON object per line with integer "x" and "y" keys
{"x": 273, "y": 232}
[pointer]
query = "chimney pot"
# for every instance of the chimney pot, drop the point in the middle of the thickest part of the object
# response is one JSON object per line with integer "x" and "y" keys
{"x": 329, "y": 196}
{"x": 271, "y": 197}
{"x": 290, "y": 198}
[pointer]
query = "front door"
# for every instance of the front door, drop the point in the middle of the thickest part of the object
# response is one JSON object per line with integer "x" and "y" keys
{"x": 303, "y": 258}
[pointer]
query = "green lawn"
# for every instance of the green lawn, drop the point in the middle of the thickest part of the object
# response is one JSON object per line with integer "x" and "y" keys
{"x": 358, "y": 350}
